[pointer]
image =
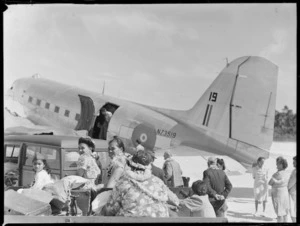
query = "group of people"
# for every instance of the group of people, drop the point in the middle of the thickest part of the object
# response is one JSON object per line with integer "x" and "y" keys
{"x": 136, "y": 187}
{"x": 283, "y": 192}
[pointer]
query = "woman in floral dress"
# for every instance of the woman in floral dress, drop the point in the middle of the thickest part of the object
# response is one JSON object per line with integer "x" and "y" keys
{"x": 138, "y": 193}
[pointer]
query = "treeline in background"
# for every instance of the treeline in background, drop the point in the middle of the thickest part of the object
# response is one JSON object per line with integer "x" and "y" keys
{"x": 285, "y": 125}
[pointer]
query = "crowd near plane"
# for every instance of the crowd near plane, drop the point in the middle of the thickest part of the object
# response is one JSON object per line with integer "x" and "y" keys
{"x": 234, "y": 117}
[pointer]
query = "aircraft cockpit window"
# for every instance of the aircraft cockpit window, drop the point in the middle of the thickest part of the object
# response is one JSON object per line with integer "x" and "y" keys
{"x": 47, "y": 105}
{"x": 56, "y": 110}
{"x": 67, "y": 113}
{"x": 38, "y": 102}
{"x": 30, "y": 99}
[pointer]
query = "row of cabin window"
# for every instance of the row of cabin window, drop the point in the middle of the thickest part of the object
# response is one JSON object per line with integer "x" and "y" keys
{"x": 56, "y": 109}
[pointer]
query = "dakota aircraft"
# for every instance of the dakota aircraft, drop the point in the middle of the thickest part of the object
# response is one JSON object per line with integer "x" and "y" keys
{"x": 234, "y": 117}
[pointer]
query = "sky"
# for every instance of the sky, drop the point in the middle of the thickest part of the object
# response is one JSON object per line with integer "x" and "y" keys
{"x": 164, "y": 55}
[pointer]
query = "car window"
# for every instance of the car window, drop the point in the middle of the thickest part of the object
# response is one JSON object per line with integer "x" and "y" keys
{"x": 12, "y": 151}
{"x": 71, "y": 158}
{"x": 50, "y": 154}
{"x": 9, "y": 151}
{"x": 30, "y": 152}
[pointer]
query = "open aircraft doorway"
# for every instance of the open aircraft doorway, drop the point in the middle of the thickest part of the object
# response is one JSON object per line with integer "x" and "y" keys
{"x": 86, "y": 114}
{"x": 102, "y": 120}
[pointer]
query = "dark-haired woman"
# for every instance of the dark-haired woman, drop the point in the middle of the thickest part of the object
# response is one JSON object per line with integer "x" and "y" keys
{"x": 138, "y": 193}
{"x": 221, "y": 164}
{"x": 280, "y": 194}
{"x": 260, "y": 176}
{"x": 116, "y": 152}
{"x": 87, "y": 165}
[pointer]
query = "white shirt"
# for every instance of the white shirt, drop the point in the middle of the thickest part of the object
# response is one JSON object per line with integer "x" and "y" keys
{"x": 41, "y": 179}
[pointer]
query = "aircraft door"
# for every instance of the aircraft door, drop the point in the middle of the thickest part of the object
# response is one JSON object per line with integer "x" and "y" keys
{"x": 87, "y": 113}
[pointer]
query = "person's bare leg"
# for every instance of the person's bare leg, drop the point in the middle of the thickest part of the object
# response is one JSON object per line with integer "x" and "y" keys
{"x": 256, "y": 207}
{"x": 264, "y": 206}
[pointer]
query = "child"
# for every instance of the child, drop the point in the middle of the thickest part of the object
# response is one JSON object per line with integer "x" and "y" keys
{"x": 42, "y": 172}
{"x": 198, "y": 205}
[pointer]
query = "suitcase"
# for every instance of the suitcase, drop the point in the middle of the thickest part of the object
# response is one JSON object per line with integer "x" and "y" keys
{"x": 18, "y": 204}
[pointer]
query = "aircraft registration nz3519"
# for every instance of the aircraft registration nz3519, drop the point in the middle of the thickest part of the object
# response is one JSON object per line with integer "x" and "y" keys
{"x": 234, "y": 117}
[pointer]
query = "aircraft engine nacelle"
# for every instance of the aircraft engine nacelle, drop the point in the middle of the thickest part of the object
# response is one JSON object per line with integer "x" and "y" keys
{"x": 134, "y": 122}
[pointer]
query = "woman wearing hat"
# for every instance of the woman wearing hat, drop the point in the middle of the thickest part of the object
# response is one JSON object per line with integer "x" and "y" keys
{"x": 138, "y": 193}
{"x": 87, "y": 165}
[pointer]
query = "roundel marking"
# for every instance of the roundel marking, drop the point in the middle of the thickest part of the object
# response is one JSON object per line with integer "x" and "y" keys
{"x": 146, "y": 134}
{"x": 143, "y": 137}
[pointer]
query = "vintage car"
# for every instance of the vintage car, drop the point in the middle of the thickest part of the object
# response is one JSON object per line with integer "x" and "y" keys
{"x": 61, "y": 153}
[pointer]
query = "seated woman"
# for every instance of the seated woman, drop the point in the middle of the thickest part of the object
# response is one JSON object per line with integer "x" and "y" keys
{"x": 116, "y": 152}
{"x": 138, "y": 193}
{"x": 87, "y": 165}
{"x": 198, "y": 205}
{"x": 42, "y": 171}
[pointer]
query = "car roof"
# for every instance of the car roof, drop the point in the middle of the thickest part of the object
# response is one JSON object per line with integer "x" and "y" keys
{"x": 53, "y": 140}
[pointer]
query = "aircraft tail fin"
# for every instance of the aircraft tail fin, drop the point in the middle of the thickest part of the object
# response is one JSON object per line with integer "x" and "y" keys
{"x": 240, "y": 103}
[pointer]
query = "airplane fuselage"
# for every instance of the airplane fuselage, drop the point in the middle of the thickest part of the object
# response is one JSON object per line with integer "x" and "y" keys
{"x": 229, "y": 119}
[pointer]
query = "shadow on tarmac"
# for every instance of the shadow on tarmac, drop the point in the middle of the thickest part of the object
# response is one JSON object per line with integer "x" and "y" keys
{"x": 248, "y": 216}
{"x": 241, "y": 192}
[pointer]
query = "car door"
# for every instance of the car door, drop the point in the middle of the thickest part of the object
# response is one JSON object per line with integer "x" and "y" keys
{"x": 11, "y": 165}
